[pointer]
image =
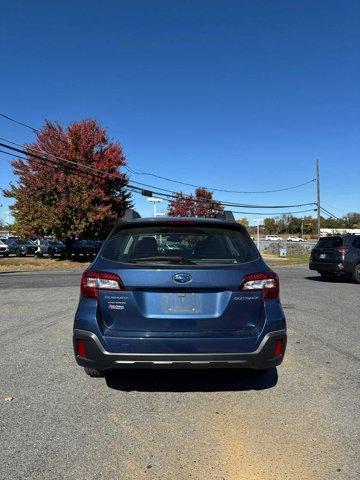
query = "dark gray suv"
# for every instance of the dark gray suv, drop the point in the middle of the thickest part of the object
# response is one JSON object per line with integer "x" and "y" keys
{"x": 337, "y": 255}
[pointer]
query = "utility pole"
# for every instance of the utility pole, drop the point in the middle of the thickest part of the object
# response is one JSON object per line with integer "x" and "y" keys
{"x": 318, "y": 196}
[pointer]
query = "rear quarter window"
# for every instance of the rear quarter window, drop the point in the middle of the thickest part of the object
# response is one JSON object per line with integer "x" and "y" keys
{"x": 356, "y": 242}
{"x": 180, "y": 244}
{"x": 330, "y": 242}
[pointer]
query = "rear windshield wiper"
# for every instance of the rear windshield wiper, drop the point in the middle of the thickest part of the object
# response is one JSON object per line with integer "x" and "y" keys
{"x": 167, "y": 259}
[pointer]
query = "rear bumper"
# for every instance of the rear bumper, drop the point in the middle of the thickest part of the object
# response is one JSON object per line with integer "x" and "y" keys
{"x": 331, "y": 267}
{"x": 97, "y": 357}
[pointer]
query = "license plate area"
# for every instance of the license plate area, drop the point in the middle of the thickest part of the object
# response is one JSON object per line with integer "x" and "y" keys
{"x": 182, "y": 303}
{"x": 322, "y": 256}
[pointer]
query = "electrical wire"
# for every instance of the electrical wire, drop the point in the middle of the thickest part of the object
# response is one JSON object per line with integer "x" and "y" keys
{"x": 214, "y": 189}
{"x": 274, "y": 213}
{"x": 18, "y": 122}
{"x": 329, "y": 213}
{"x": 168, "y": 179}
{"x": 171, "y": 195}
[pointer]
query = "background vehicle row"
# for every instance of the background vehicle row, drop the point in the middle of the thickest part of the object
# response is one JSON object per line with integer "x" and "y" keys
{"x": 78, "y": 250}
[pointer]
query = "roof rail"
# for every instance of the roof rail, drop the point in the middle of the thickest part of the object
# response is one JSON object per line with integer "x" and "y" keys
{"x": 130, "y": 214}
{"x": 226, "y": 216}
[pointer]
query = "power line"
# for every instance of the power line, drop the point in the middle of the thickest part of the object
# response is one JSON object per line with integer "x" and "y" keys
{"x": 331, "y": 214}
{"x": 170, "y": 196}
{"x": 168, "y": 179}
{"x": 134, "y": 172}
{"x": 28, "y": 149}
{"x": 18, "y": 122}
{"x": 53, "y": 164}
{"x": 275, "y": 213}
{"x": 138, "y": 190}
{"x": 331, "y": 206}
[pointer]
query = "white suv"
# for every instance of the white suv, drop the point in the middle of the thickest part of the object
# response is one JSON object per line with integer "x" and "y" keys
{"x": 295, "y": 239}
{"x": 273, "y": 238}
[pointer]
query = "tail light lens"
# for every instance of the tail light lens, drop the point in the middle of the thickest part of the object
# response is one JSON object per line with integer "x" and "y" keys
{"x": 93, "y": 281}
{"x": 268, "y": 282}
{"x": 80, "y": 348}
{"x": 279, "y": 348}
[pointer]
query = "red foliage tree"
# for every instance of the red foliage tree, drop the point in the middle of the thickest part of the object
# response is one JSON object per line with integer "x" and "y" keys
{"x": 54, "y": 197}
{"x": 199, "y": 205}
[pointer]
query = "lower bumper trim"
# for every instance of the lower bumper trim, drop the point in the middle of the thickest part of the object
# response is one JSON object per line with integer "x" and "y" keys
{"x": 97, "y": 357}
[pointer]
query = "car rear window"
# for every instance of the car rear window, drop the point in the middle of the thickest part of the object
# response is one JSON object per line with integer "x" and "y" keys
{"x": 180, "y": 244}
{"x": 329, "y": 242}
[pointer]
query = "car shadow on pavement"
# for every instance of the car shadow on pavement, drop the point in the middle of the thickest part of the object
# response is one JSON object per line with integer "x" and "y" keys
{"x": 341, "y": 279}
{"x": 191, "y": 380}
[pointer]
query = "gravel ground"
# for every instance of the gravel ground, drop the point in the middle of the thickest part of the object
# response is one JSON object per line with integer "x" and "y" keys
{"x": 299, "y": 422}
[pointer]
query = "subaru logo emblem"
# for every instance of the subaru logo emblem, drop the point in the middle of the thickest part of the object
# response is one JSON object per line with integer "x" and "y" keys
{"x": 182, "y": 278}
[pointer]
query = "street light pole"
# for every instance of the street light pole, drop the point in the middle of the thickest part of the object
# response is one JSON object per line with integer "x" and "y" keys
{"x": 258, "y": 222}
{"x": 318, "y": 197}
{"x": 154, "y": 201}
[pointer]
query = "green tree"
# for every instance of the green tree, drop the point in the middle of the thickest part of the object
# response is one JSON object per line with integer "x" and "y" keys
{"x": 243, "y": 221}
{"x": 352, "y": 219}
{"x": 270, "y": 225}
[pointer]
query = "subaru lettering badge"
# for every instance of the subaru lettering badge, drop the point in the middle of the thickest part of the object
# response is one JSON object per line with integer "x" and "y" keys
{"x": 182, "y": 278}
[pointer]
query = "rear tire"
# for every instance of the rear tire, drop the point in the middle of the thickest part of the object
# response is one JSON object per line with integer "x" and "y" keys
{"x": 356, "y": 273}
{"x": 92, "y": 372}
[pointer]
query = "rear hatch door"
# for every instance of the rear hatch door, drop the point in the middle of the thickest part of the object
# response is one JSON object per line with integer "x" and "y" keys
{"x": 181, "y": 280}
{"x": 155, "y": 304}
{"x": 326, "y": 250}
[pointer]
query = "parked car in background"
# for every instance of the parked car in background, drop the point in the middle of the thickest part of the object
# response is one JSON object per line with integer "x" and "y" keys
{"x": 336, "y": 255}
{"x": 82, "y": 250}
{"x": 209, "y": 300}
{"x": 273, "y": 238}
{"x": 4, "y": 249}
{"x": 98, "y": 245}
{"x": 20, "y": 248}
{"x": 50, "y": 247}
{"x": 295, "y": 239}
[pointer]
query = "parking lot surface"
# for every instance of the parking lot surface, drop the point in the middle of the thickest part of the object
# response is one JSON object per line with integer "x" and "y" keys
{"x": 300, "y": 421}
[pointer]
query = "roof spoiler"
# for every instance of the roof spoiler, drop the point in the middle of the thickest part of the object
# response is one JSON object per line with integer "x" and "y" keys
{"x": 129, "y": 215}
{"x": 226, "y": 216}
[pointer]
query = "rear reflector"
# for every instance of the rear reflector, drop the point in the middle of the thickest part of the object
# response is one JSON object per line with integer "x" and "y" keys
{"x": 279, "y": 348}
{"x": 80, "y": 348}
{"x": 268, "y": 282}
{"x": 93, "y": 281}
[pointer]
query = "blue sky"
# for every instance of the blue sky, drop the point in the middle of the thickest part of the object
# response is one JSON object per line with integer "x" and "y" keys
{"x": 241, "y": 95}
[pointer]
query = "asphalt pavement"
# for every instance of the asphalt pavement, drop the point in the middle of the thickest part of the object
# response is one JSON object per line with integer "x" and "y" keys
{"x": 300, "y": 421}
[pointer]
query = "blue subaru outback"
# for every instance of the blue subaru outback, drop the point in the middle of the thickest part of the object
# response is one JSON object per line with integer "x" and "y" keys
{"x": 178, "y": 292}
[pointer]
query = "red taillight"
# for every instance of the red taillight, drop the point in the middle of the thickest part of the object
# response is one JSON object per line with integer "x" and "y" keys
{"x": 80, "y": 348}
{"x": 279, "y": 348}
{"x": 93, "y": 281}
{"x": 268, "y": 282}
{"x": 343, "y": 250}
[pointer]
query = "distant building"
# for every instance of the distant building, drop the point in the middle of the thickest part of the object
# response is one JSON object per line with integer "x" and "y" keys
{"x": 324, "y": 232}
